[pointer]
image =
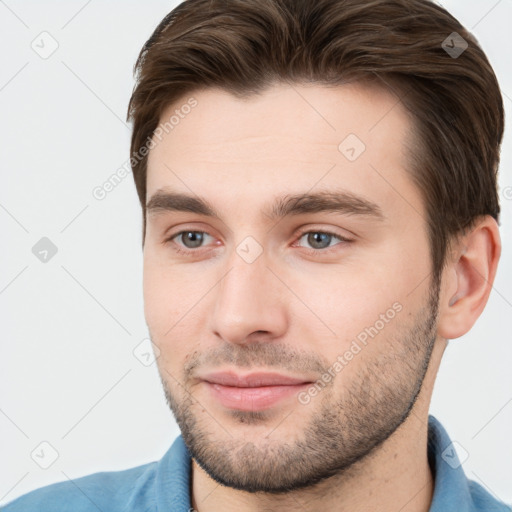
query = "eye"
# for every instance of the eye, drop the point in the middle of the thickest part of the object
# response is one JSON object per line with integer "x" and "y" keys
{"x": 191, "y": 239}
{"x": 321, "y": 240}
{"x": 194, "y": 238}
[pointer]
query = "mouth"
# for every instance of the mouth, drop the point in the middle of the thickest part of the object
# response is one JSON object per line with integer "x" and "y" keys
{"x": 254, "y": 391}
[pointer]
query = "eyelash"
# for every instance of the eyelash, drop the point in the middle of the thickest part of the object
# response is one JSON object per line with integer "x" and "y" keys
{"x": 312, "y": 252}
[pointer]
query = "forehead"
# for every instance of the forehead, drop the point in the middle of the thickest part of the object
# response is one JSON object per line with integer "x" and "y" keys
{"x": 289, "y": 138}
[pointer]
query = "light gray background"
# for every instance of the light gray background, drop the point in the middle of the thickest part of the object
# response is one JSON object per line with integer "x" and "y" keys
{"x": 68, "y": 374}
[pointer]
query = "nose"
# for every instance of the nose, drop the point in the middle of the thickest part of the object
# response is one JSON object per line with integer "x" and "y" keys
{"x": 249, "y": 303}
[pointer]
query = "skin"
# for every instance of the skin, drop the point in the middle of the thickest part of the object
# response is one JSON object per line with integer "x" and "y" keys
{"x": 292, "y": 312}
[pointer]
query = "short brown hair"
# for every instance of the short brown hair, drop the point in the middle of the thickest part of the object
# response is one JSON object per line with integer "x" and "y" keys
{"x": 245, "y": 46}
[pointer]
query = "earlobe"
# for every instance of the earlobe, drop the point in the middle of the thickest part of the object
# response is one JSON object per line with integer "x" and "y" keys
{"x": 468, "y": 279}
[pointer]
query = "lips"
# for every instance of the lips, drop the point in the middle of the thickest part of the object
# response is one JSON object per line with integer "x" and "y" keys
{"x": 254, "y": 391}
{"x": 252, "y": 380}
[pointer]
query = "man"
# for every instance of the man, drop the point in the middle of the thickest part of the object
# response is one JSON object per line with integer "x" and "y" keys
{"x": 318, "y": 185}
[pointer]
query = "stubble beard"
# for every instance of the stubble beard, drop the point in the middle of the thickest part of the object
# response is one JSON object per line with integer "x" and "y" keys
{"x": 342, "y": 432}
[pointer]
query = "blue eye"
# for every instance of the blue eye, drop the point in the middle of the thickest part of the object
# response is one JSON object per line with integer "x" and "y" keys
{"x": 320, "y": 241}
{"x": 191, "y": 240}
{"x": 193, "y": 237}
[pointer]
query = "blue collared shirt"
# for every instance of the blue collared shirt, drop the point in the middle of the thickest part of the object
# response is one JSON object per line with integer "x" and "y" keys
{"x": 164, "y": 486}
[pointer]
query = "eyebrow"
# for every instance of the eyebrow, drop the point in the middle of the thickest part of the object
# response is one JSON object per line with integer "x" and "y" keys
{"x": 343, "y": 202}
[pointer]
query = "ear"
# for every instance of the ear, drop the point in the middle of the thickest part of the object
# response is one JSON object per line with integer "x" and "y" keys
{"x": 468, "y": 277}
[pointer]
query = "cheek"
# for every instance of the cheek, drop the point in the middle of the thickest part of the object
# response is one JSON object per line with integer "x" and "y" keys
{"x": 152, "y": 292}
{"x": 161, "y": 297}
{"x": 366, "y": 302}
{"x": 163, "y": 313}
{"x": 172, "y": 305}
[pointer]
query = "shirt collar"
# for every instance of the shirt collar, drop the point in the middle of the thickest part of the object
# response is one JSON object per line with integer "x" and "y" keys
{"x": 451, "y": 487}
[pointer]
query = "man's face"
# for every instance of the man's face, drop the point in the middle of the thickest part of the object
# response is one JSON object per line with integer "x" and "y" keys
{"x": 258, "y": 308}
